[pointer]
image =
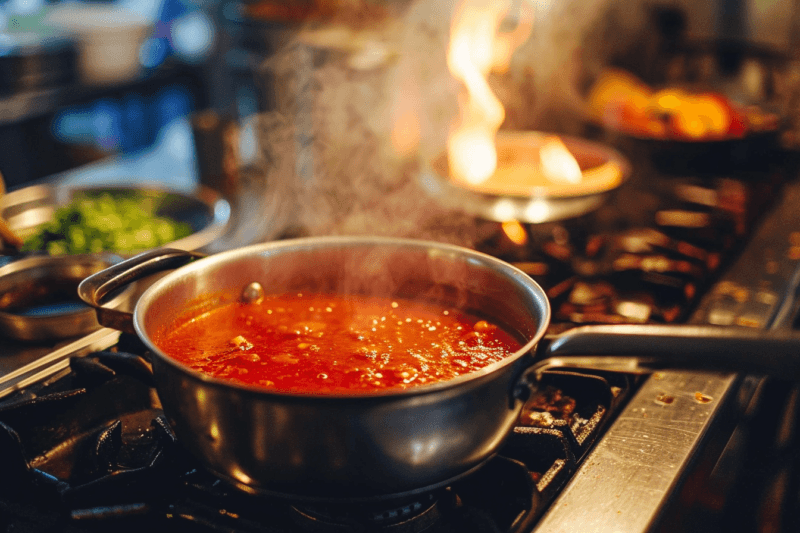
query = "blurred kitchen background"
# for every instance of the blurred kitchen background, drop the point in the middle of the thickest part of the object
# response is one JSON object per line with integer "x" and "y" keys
{"x": 108, "y": 92}
{"x": 153, "y": 83}
{"x": 82, "y": 80}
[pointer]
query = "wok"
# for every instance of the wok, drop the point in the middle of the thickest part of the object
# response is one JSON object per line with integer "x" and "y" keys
{"x": 398, "y": 442}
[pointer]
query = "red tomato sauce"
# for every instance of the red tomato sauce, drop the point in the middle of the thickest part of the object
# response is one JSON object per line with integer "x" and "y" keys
{"x": 321, "y": 343}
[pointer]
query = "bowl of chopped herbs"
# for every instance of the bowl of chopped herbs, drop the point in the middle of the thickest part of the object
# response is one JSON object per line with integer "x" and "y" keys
{"x": 61, "y": 220}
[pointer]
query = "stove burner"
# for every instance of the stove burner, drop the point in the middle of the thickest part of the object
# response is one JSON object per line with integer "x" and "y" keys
{"x": 92, "y": 450}
{"x": 647, "y": 257}
{"x": 411, "y": 517}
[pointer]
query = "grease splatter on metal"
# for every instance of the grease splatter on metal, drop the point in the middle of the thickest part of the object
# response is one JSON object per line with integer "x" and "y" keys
{"x": 664, "y": 399}
{"x": 699, "y": 397}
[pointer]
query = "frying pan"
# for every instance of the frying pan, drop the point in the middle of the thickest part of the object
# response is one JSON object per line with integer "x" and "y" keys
{"x": 540, "y": 204}
{"x": 393, "y": 443}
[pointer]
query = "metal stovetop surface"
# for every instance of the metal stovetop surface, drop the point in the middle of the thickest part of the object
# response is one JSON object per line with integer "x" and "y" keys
{"x": 628, "y": 479}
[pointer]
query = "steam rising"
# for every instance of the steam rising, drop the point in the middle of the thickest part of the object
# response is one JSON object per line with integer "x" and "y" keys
{"x": 361, "y": 107}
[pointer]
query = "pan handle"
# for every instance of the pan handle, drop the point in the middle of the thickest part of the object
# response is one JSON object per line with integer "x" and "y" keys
{"x": 689, "y": 347}
{"x": 96, "y": 287}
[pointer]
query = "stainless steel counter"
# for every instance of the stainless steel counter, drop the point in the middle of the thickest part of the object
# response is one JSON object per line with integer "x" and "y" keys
{"x": 640, "y": 463}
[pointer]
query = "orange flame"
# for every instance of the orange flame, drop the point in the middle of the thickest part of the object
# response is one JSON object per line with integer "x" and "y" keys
{"x": 477, "y": 47}
{"x": 515, "y": 232}
{"x": 558, "y": 164}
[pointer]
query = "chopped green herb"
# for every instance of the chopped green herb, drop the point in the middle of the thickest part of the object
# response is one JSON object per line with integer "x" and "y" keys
{"x": 123, "y": 223}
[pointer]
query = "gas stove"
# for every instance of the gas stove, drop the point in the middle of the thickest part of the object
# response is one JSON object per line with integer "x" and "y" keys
{"x": 93, "y": 450}
{"x": 87, "y": 447}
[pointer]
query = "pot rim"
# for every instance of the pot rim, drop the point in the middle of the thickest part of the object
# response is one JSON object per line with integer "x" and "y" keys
{"x": 515, "y": 275}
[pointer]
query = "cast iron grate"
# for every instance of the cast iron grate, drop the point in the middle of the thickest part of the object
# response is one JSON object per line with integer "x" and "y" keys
{"x": 646, "y": 257}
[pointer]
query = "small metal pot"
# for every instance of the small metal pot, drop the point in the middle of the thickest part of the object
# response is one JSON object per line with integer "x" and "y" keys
{"x": 393, "y": 443}
{"x": 38, "y": 296}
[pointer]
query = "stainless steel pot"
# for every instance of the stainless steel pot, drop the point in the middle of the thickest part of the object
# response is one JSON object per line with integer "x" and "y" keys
{"x": 336, "y": 446}
{"x": 375, "y": 446}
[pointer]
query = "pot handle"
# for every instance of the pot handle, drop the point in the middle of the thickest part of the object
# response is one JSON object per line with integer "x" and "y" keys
{"x": 96, "y": 287}
{"x": 688, "y": 347}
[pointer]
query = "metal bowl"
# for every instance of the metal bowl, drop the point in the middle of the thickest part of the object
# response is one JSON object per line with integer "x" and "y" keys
{"x": 204, "y": 210}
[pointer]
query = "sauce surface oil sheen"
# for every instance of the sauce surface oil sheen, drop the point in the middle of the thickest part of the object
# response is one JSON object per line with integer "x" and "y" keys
{"x": 326, "y": 343}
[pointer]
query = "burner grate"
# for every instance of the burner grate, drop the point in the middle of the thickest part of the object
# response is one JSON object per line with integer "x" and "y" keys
{"x": 646, "y": 257}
